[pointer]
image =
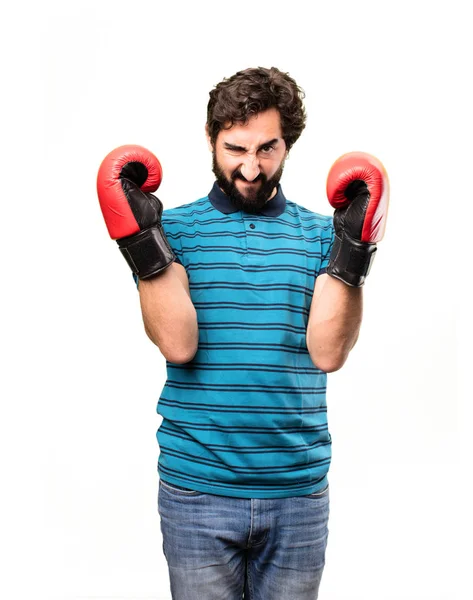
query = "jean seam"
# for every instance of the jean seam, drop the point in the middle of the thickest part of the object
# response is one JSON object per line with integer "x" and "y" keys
{"x": 250, "y": 582}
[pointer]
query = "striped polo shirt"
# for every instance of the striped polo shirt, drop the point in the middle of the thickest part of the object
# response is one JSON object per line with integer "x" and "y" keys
{"x": 247, "y": 417}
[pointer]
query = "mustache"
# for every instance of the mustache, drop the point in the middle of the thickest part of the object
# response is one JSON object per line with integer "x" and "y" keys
{"x": 238, "y": 175}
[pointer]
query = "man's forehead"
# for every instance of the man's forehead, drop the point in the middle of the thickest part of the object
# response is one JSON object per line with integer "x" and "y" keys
{"x": 260, "y": 127}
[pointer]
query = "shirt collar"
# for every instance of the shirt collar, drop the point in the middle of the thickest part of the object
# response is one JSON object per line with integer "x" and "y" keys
{"x": 273, "y": 208}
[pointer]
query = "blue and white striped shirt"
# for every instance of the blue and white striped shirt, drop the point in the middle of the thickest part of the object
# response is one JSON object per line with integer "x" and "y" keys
{"x": 247, "y": 417}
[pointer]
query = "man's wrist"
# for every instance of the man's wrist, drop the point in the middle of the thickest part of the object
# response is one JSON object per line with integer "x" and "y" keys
{"x": 351, "y": 260}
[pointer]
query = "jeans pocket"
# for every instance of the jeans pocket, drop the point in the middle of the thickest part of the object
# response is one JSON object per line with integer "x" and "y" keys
{"x": 178, "y": 490}
{"x": 319, "y": 494}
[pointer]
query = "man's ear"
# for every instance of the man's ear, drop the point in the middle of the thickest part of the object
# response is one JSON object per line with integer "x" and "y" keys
{"x": 209, "y": 141}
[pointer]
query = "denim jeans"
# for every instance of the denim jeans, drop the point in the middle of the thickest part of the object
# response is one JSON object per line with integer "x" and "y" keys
{"x": 225, "y": 548}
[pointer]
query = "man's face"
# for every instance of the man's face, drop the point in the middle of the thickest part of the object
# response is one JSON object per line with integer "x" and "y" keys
{"x": 248, "y": 160}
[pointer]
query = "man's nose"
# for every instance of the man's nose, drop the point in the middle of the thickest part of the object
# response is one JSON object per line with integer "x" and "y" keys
{"x": 250, "y": 167}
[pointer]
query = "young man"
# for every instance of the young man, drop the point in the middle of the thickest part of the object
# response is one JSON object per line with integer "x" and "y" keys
{"x": 252, "y": 300}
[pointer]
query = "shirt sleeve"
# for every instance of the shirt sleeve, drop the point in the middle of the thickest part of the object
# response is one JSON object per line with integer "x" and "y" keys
{"x": 327, "y": 237}
{"x": 172, "y": 231}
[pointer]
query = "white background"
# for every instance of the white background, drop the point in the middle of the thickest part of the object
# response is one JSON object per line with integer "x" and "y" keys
{"x": 81, "y": 379}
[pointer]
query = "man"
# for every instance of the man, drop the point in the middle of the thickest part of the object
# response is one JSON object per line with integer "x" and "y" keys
{"x": 252, "y": 300}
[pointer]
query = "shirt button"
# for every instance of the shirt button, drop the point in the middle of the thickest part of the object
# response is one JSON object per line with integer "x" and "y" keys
{"x": 252, "y": 225}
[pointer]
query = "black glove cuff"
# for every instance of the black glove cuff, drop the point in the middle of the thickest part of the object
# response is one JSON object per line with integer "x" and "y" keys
{"x": 147, "y": 252}
{"x": 351, "y": 260}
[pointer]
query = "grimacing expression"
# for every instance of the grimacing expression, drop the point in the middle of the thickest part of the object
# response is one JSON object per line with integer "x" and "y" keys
{"x": 248, "y": 160}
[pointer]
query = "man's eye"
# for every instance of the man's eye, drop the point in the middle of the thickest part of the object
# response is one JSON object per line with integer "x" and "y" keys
{"x": 267, "y": 149}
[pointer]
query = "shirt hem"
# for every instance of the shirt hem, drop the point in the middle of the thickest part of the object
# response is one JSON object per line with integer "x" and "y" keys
{"x": 237, "y": 493}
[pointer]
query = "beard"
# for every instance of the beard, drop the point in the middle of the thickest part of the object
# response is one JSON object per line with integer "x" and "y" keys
{"x": 255, "y": 199}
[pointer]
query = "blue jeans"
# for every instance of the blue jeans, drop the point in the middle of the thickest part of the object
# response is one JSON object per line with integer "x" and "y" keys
{"x": 219, "y": 547}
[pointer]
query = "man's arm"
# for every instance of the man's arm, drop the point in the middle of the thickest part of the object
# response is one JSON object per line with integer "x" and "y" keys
{"x": 169, "y": 317}
{"x": 334, "y": 322}
{"x": 125, "y": 180}
{"x": 358, "y": 189}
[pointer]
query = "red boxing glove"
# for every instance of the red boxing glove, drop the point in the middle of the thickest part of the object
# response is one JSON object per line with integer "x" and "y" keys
{"x": 358, "y": 189}
{"x": 132, "y": 214}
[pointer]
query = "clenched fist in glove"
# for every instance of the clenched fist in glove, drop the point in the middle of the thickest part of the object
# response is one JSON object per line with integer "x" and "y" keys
{"x": 358, "y": 189}
{"x": 132, "y": 214}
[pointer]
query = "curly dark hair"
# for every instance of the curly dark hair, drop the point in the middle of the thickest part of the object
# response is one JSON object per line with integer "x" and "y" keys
{"x": 252, "y": 91}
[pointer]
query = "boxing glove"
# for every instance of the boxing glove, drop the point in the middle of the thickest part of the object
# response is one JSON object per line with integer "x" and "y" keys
{"x": 125, "y": 180}
{"x": 358, "y": 189}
